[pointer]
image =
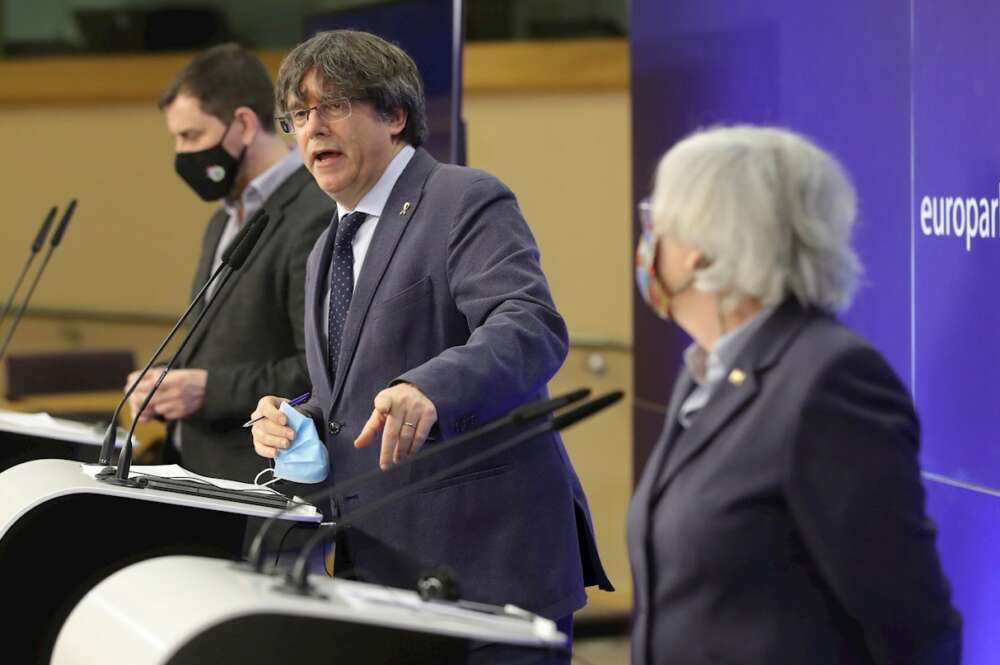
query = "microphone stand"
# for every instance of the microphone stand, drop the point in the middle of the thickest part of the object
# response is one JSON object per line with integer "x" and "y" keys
{"x": 43, "y": 232}
{"x": 56, "y": 239}
{"x": 237, "y": 250}
{"x": 523, "y": 414}
{"x": 297, "y": 580}
{"x": 110, "y": 434}
{"x": 125, "y": 457}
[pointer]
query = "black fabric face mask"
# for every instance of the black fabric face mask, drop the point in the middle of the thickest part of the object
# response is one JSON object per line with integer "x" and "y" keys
{"x": 210, "y": 172}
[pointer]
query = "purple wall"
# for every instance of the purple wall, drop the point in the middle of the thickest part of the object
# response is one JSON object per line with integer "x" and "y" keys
{"x": 905, "y": 93}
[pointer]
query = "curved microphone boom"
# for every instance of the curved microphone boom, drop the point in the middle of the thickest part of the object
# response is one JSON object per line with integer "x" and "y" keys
{"x": 297, "y": 579}
{"x": 234, "y": 260}
{"x": 227, "y": 259}
{"x": 519, "y": 416}
{"x": 35, "y": 246}
{"x": 39, "y": 242}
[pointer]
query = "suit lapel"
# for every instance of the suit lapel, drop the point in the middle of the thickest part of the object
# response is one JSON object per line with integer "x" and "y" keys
{"x": 682, "y": 388}
{"x": 401, "y": 207}
{"x": 736, "y": 391}
{"x": 274, "y": 206}
{"x": 315, "y": 301}
{"x": 727, "y": 401}
{"x": 216, "y": 225}
{"x": 654, "y": 465}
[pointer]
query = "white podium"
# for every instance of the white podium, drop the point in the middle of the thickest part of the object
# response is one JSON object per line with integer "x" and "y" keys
{"x": 61, "y": 532}
{"x": 31, "y": 436}
{"x": 183, "y": 610}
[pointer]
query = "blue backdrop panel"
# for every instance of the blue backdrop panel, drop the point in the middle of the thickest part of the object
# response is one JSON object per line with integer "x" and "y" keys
{"x": 837, "y": 74}
{"x": 905, "y": 93}
{"x": 969, "y": 550}
{"x": 957, "y": 159}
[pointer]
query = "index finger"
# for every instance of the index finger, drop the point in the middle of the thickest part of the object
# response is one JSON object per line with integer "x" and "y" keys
{"x": 371, "y": 428}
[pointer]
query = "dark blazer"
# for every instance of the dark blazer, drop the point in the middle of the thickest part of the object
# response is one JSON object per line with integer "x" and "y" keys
{"x": 251, "y": 341}
{"x": 452, "y": 299}
{"x": 787, "y": 524}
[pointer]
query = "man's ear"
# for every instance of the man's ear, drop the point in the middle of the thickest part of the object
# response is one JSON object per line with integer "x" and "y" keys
{"x": 396, "y": 121}
{"x": 249, "y": 123}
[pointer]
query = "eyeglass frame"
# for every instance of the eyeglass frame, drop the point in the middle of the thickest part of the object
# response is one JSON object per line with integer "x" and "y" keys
{"x": 647, "y": 277}
{"x": 287, "y": 124}
{"x": 645, "y": 210}
{"x": 649, "y": 241}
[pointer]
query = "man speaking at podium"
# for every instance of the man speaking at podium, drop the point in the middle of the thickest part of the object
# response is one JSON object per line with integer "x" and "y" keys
{"x": 220, "y": 112}
{"x": 427, "y": 315}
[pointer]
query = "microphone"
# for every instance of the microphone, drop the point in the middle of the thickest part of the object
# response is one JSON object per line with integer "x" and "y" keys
{"x": 297, "y": 580}
{"x": 520, "y": 415}
{"x": 39, "y": 242}
{"x": 227, "y": 256}
{"x": 564, "y": 420}
{"x": 43, "y": 232}
{"x": 35, "y": 246}
{"x": 242, "y": 246}
{"x": 241, "y": 249}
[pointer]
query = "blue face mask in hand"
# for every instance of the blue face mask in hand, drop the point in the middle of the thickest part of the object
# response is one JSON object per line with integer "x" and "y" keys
{"x": 306, "y": 460}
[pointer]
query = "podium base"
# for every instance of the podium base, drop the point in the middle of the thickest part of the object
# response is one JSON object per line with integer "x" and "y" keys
{"x": 114, "y": 480}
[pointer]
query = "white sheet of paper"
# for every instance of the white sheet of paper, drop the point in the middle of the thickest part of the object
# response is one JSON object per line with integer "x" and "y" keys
{"x": 177, "y": 471}
{"x": 43, "y": 425}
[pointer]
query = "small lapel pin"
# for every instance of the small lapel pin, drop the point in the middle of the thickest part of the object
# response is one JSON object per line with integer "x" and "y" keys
{"x": 737, "y": 377}
{"x": 406, "y": 207}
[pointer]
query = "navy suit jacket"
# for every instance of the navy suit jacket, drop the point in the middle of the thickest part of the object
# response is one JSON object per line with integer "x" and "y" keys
{"x": 787, "y": 524}
{"x": 451, "y": 298}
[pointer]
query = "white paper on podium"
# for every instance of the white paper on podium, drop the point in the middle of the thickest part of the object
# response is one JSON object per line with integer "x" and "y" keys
{"x": 175, "y": 471}
{"x": 45, "y": 426}
{"x": 361, "y": 597}
{"x": 372, "y": 599}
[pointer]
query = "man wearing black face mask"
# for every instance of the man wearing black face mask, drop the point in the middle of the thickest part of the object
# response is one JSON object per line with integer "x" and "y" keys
{"x": 220, "y": 111}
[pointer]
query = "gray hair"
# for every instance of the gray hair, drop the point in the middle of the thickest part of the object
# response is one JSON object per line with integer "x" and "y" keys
{"x": 771, "y": 211}
{"x": 359, "y": 65}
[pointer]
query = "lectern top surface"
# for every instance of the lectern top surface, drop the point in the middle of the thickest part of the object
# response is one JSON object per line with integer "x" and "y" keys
{"x": 194, "y": 594}
{"x": 27, "y": 485}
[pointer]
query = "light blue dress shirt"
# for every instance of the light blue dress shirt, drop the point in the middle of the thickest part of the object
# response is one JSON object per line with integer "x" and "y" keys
{"x": 708, "y": 369}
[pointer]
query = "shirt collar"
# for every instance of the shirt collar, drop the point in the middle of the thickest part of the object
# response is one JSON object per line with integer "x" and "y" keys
{"x": 374, "y": 201}
{"x": 261, "y": 187}
{"x": 707, "y": 368}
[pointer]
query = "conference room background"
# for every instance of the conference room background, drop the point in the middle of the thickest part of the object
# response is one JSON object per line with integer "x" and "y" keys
{"x": 901, "y": 91}
{"x": 87, "y": 126}
{"x": 905, "y": 93}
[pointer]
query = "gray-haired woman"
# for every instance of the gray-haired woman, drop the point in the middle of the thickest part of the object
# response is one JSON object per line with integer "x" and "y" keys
{"x": 780, "y": 518}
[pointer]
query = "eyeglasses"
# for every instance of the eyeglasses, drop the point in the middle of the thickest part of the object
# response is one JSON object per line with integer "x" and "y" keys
{"x": 646, "y": 276}
{"x": 648, "y": 241}
{"x": 329, "y": 110}
{"x": 645, "y": 208}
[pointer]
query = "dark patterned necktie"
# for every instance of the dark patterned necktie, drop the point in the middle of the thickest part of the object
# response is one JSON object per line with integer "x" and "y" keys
{"x": 341, "y": 283}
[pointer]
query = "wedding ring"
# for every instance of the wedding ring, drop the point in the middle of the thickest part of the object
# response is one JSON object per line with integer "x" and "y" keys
{"x": 405, "y": 424}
